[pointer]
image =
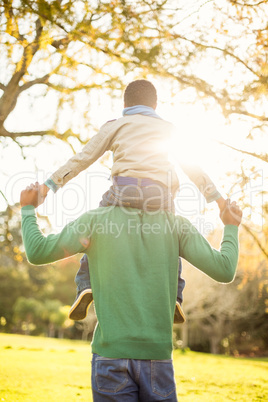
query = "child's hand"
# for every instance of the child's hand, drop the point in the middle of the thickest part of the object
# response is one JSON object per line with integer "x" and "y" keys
{"x": 32, "y": 196}
{"x": 222, "y": 203}
{"x": 43, "y": 189}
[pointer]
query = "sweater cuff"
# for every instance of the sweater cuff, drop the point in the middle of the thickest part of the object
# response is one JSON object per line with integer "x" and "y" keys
{"x": 27, "y": 210}
{"x": 52, "y": 185}
{"x": 213, "y": 197}
{"x": 231, "y": 230}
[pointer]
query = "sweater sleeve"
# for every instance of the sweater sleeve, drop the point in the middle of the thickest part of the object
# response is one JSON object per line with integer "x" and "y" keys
{"x": 41, "y": 249}
{"x": 221, "y": 264}
{"x": 92, "y": 151}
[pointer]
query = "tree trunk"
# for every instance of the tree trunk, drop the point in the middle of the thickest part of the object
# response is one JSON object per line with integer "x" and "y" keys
{"x": 184, "y": 335}
{"x": 51, "y": 330}
{"x": 215, "y": 344}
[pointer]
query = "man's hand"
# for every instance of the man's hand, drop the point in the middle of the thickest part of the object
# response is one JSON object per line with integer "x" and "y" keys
{"x": 32, "y": 195}
{"x": 231, "y": 214}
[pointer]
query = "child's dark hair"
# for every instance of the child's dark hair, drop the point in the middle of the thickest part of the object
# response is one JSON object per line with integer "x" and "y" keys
{"x": 140, "y": 92}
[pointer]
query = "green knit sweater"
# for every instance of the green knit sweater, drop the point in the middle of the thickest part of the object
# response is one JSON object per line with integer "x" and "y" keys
{"x": 133, "y": 263}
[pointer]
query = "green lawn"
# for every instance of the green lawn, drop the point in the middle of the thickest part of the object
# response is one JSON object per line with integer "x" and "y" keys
{"x": 44, "y": 369}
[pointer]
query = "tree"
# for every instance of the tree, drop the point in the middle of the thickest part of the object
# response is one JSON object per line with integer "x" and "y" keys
{"x": 68, "y": 48}
{"x": 65, "y": 54}
{"x": 27, "y": 312}
{"x": 35, "y": 316}
{"x": 71, "y": 47}
{"x": 19, "y": 279}
{"x": 55, "y": 315}
{"x": 218, "y": 314}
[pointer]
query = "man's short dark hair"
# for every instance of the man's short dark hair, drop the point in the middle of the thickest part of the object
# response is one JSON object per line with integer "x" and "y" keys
{"x": 140, "y": 92}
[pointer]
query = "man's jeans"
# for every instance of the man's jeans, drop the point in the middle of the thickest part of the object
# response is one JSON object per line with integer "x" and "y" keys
{"x": 129, "y": 380}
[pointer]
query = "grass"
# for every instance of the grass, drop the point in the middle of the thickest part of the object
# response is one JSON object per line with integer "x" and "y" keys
{"x": 213, "y": 378}
{"x": 42, "y": 369}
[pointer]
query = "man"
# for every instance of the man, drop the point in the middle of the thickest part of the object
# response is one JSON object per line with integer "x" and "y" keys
{"x": 133, "y": 258}
{"x": 143, "y": 176}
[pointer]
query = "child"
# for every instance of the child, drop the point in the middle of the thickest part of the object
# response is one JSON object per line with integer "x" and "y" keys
{"x": 142, "y": 175}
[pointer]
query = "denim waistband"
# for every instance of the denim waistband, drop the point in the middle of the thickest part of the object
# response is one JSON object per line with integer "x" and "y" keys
{"x": 124, "y": 181}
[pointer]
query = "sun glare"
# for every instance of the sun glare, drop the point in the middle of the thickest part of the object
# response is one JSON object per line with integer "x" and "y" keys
{"x": 195, "y": 136}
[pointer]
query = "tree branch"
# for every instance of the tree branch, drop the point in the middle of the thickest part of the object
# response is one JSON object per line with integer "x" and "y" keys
{"x": 248, "y": 5}
{"x": 12, "y": 22}
{"x": 2, "y": 86}
{"x": 14, "y": 135}
{"x": 63, "y": 89}
{"x": 247, "y": 229}
{"x": 225, "y": 51}
{"x": 61, "y": 43}
{"x": 3, "y": 195}
{"x": 263, "y": 157}
{"x": 41, "y": 80}
{"x": 254, "y": 116}
{"x": 45, "y": 17}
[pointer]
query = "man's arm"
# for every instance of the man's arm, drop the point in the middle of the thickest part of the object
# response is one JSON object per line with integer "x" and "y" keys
{"x": 219, "y": 265}
{"x": 73, "y": 239}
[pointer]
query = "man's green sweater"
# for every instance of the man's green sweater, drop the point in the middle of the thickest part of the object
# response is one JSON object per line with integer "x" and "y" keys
{"x": 133, "y": 263}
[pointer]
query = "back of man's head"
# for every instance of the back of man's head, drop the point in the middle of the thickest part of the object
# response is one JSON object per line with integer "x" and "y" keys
{"x": 140, "y": 92}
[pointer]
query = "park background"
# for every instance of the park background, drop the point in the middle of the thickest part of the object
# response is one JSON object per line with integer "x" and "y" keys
{"x": 63, "y": 69}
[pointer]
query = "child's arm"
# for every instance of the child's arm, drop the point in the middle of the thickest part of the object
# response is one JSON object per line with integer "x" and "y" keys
{"x": 92, "y": 151}
{"x": 43, "y": 189}
{"x": 221, "y": 203}
{"x": 204, "y": 183}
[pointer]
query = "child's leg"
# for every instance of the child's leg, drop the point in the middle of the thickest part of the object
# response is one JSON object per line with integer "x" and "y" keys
{"x": 143, "y": 194}
{"x": 181, "y": 284}
{"x": 82, "y": 279}
{"x": 84, "y": 296}
{"x": 179, "y": 316}
{"x": 150, "y": 196}
{"x": 135, "y": 193}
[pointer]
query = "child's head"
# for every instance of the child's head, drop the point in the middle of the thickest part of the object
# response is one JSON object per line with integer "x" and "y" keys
{"x": 140, "y": 92}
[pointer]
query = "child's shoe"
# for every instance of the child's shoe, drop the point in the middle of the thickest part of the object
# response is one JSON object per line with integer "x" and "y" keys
{"x": 81, "y": 304}
{"x": 179, "y": 317}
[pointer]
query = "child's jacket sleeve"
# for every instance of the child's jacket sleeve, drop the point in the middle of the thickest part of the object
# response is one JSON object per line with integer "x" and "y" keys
{"x": 92, "y": 151}
{"x": 202, "y": 181}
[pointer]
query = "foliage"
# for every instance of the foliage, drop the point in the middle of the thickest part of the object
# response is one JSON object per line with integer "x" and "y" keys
{"x": 217, "y": 48}
{"x": 33, "y": 316}
{"x": 66, "y": 48}
{"x": 31, "y": 298}
{"x": 55, "y": 369}
{"x": 230, "y": 318}
{"x": 60, "y": 56}
{"x": 23, "y": 286}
